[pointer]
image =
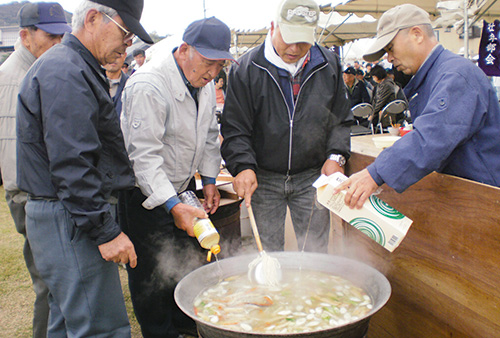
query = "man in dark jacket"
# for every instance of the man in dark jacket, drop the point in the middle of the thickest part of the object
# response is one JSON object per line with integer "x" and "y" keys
{"x": 71, "y": 160}
{"x": 286, "y": 120}
{"x": 117, "y": 79}
{"x": 384, "y": 94}
{"x": 42, "y": 26}
{"x": 356, "y": 90}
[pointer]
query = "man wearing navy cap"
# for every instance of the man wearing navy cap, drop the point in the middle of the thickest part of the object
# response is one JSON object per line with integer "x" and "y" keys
{"x": 170, "y": 129}
{"x": 71, "y": 161}
{"x": 42, "y": 26}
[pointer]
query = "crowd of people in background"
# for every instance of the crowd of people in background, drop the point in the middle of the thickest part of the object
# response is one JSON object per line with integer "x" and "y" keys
{"x": 375, "y": 83}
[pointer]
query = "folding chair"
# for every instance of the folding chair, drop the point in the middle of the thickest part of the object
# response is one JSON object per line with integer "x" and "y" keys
{"x": 362, "y": 110}
{"x": 391, "y": 109}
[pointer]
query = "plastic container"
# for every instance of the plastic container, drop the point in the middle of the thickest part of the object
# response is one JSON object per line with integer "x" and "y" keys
{"x": 204, "y": 230}
{"x": 393, "y": 131}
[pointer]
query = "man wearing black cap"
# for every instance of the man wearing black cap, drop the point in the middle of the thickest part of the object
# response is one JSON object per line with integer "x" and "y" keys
{"x": 356, "y": 89}
{"x": 170, "y": 129}
{"x": 42, "y": 26}
{"x": 71, "y": 160}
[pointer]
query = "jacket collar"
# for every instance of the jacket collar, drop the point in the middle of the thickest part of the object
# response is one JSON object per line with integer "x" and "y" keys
{"x": 72, "y": 42}
{"x": 317, "y": 58}
{"x": 175, "y": 75}
{"x": 24, "y": 53}
{"x": 416, "y": 81}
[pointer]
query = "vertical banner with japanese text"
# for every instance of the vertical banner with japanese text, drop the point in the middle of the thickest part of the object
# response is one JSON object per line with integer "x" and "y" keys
{"x": 489, "y": 49}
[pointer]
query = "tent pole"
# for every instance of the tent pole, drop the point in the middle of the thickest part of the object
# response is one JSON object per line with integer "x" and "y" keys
{"x": 466, "y": 30}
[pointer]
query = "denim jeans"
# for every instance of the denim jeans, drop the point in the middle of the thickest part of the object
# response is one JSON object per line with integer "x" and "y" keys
{"x": 85, "y": 294}
{"x": 269, "y": 203}
{"x": 16, "y": 200}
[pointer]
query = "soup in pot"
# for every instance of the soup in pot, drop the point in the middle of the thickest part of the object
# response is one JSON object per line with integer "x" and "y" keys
{"x": 305, "y": 301}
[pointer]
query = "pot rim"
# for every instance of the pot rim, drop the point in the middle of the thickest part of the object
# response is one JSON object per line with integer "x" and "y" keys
{"x": 285, "y": 258}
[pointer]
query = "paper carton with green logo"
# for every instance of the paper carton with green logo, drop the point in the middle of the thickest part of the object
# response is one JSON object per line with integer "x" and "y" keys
{"x": 376, "y": 219}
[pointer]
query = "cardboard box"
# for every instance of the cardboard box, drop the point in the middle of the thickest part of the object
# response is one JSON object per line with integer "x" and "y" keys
{"x": 378, "y": 220}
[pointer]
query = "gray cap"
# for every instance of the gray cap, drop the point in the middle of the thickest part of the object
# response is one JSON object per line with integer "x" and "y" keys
{"x": 298, "y": 20}
{"x": 390, "y": 23}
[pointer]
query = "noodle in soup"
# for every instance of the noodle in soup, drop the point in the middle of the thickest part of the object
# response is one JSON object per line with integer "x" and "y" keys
{"x": 305, "y": 301}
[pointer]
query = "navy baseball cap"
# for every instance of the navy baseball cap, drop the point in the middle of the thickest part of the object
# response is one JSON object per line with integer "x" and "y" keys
{"x": 47, "y": 16}
{"x": 130, "y": 11}
{"x": 211, "y": 38}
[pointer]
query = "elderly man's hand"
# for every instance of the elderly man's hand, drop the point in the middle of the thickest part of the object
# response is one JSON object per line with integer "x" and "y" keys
{"x": 184, "y": 217}
{"x": 212, "y": 198}
{"x": 359, "y": 187}
{"x": 244, "y": 185}
{"x": 119, "y": 250}
{"x": 331, "y": 167}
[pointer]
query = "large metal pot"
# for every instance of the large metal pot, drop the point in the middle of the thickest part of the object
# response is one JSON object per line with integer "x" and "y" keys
{"x": 364, "y": 276}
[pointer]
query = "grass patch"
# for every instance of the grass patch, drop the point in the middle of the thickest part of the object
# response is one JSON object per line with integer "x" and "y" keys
{"x": 16, "y": 293}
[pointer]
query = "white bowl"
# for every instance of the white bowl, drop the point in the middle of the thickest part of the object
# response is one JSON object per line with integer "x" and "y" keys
{"x": 393, "y": 131}
{"x": 385, "y": 141}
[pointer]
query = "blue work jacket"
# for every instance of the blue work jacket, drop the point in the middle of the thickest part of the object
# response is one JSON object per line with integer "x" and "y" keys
{"x": 456, "y": 126}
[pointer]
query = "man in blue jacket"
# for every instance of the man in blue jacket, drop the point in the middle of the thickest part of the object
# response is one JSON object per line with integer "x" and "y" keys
{"x": 286, "y": 120}
{"x": 71, "y": 160}
{"x": 455, "y": 111}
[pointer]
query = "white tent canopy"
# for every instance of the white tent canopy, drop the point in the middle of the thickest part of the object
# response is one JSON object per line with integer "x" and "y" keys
{"x": 333, "y": 29}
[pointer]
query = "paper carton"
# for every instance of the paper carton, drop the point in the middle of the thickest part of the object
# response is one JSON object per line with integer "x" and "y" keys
{"x": 378, "y": 220}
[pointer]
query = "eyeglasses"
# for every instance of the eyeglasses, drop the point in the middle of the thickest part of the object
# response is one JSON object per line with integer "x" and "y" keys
{"x": 128, "y": 34}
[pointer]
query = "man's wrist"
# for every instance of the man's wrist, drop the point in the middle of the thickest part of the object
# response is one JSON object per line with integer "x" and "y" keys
{"x": 208, "y": 180}
{"x": 340, "y": 159}
{"x": 172, "y": 202}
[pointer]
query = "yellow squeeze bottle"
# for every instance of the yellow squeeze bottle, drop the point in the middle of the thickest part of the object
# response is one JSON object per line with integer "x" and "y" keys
{"x": 204, "y": 230}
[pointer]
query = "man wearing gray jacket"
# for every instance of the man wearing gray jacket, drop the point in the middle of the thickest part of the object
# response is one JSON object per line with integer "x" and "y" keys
{"x": 170, "y": 131}
{"x": 42, "y": 26}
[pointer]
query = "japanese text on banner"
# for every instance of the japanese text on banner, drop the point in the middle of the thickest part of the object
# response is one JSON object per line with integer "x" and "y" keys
{"x": 489, "y": 49}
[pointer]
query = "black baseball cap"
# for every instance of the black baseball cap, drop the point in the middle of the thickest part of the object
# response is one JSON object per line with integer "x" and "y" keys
{"x": 47, "y": 16}
{"x": 350, "y": 70}
{"x": 211, "y": 38}
{"x": 130, "y": 11}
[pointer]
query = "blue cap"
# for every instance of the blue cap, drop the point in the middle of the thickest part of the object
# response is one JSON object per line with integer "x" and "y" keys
{"x": 211, "y": 38}
{"x": 47, "y": 16}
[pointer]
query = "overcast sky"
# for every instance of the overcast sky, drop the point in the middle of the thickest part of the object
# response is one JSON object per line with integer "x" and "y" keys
{"x": 173, "y": 16}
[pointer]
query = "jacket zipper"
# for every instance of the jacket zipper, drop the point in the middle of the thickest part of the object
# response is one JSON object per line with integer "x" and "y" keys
{"x": 290, "y": 114}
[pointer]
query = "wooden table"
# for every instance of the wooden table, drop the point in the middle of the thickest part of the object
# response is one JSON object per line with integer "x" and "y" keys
{"x": 445, "y": 275}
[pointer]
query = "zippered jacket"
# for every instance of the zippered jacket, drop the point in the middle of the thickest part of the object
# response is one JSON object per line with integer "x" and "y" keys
{"x": 12, "y": 72}
{"x": 167, "y": 137}
{"x": 261, "y": 130}
{"x": 69, "y": 143}
{"x": 358, "y": 93}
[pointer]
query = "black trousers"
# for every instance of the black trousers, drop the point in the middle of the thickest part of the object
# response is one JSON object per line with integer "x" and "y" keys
{"x": 165, "y": 254}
